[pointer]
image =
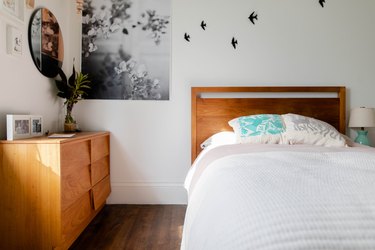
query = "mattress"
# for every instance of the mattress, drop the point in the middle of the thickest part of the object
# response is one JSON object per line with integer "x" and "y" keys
{"x": 247, "y": 196}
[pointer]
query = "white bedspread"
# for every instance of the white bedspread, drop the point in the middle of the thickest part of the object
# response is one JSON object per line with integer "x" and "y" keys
{"x": 282, "y": 198}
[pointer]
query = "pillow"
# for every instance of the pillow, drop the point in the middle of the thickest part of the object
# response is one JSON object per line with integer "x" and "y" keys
{"x": 221, "y": 138}
{"x": 262, "y": 128}
{"x": 306, "y": 130}
{"x": 349, "y": 142}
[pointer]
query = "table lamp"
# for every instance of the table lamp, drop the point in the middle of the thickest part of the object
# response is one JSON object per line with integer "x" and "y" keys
{"x": 362, "y": 118}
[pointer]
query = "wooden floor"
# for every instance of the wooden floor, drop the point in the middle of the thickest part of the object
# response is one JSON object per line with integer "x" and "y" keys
{"x": 134, "y": 227}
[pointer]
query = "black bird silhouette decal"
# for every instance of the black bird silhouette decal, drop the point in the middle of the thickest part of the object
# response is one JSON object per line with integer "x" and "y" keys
{"x": 234, "y": 43}
{"x": 187, "y": 37}
{"x": 203, "y": 25}
{"x": 322, "y": 3}
{"x": 254, "y": 16}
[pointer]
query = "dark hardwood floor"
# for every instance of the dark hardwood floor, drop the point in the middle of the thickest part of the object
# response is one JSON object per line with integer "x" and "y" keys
{"x": 134, "y": 227}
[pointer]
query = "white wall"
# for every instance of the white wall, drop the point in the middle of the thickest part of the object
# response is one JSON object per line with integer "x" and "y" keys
{"x": 294, "y": 43}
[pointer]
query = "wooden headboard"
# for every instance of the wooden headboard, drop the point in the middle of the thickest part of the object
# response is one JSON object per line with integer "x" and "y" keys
{"x": 210, "y": 114}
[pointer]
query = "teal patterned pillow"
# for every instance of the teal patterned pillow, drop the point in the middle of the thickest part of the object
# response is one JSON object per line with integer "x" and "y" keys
{"x": 262, "y": 128}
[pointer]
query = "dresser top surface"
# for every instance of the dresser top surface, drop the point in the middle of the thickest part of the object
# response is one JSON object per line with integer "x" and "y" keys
{"x": 45, "y": 139}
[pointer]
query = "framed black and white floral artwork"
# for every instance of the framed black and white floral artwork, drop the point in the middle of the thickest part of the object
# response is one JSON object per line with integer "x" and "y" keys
{"x": 126, "y": 48}
{"x": 14, "y": 40}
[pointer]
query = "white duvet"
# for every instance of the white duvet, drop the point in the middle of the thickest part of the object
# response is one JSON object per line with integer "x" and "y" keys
{"x": 281, "y": 197}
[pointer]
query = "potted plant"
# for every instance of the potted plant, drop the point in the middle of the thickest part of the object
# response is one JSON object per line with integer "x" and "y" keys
{"x": 72, "y": 90}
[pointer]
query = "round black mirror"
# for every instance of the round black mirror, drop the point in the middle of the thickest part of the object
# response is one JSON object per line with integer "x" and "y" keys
{"x": 46, "y": 42}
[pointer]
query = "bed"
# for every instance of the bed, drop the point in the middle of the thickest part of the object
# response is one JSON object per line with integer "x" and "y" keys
{"x": 277, "y": 195}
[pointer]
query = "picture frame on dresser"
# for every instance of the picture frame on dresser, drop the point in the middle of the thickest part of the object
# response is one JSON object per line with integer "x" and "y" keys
{"x": 18, "y": 127}
{"x": 23, "y": 126}
{"x": 36, "y": 122}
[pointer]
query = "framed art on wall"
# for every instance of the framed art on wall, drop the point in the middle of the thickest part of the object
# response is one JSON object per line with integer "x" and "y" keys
{"x": 13, "y": 9}
{"x": 14, "y": 40}
{"x": 11, "y": 6}
{"x": 128, "y": 58}
{"x": 30, "y": 4}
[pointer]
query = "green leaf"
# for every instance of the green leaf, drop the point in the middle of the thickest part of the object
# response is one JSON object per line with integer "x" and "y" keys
{"x": 74, "y": 88}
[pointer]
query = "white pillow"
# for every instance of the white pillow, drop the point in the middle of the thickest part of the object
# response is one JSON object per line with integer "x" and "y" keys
{"x": 262, "y": 128}
{"x": 306, "y": 130}
{"x": 221, "y": 138}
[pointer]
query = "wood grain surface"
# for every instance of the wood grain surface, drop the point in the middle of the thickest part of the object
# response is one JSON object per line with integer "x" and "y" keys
{"x": 211, "y": 115}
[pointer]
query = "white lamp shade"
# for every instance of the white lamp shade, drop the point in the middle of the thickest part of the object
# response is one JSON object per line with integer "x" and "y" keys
{"x": 362, "y": 118}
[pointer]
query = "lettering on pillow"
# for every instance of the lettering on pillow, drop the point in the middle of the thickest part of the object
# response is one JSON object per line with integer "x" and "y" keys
{"x": 306, "y": 130}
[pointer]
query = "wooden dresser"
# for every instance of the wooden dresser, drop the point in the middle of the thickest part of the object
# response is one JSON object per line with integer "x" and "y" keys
{"x": 50, "y": 189}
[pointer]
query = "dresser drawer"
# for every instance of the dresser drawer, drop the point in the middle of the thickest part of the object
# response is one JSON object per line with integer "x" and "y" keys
{"x": 99, "y": 170}
{"x": 75, "y": 218}
{"x": 74, "y": 184}
{"x": 100, "y": 192}
{"x": 73, "y": 155}
{"x": 99, "y": 147}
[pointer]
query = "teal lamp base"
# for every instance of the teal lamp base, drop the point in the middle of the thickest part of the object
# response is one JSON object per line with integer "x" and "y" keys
{"x": 362, "y": 138}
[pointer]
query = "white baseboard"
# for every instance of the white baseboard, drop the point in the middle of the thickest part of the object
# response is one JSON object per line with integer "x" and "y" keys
{"x": 147, "y": 193}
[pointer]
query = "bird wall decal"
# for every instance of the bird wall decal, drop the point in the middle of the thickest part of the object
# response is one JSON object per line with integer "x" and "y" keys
{"x": 234, "y": 43}
{"x": 187, "y": 37}
{"x": 203, "y": 25}
{"x": 253, "y": 17}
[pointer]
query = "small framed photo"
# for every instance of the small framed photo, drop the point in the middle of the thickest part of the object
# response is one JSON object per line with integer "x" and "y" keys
{"x": 18, "y": 127}
{"x": 36, "y": 125}
{"x": 30, "y": 4}
{"x": 10, "y": 6}
{"x": 14, "y": 41}
{"x": 13, "y": 9}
